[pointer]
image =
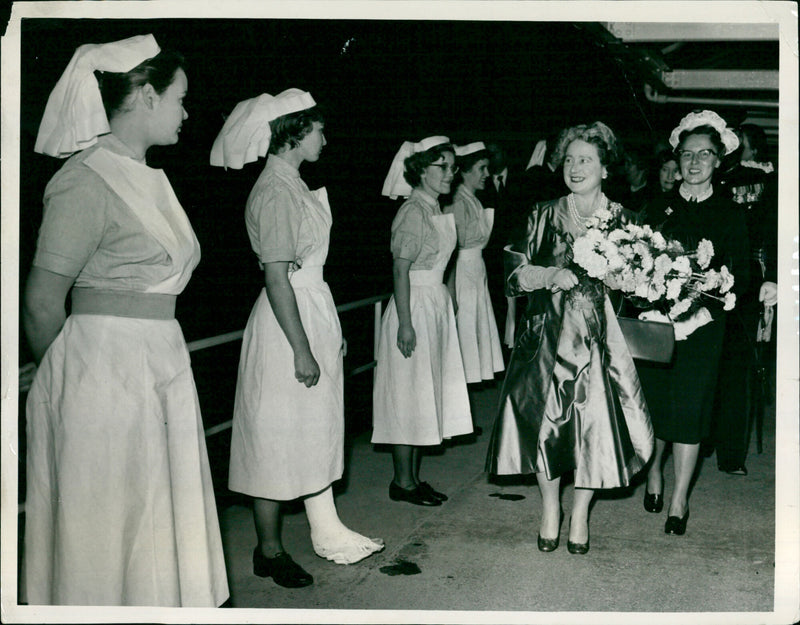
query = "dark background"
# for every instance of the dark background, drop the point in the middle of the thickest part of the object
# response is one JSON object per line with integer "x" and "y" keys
{"x": 380, "y": 83}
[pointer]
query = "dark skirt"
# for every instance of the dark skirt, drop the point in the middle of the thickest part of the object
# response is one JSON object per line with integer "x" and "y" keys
{"x": 680, "y": 394}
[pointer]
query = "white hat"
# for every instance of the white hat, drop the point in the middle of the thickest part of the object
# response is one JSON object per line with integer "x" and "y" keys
{"x": 395, "y": 184}
{"x": 74, "y": 116}
{"x": 693, "y": 120}
{"x": 470, "y": 148}
{"x": 246, "y": 134}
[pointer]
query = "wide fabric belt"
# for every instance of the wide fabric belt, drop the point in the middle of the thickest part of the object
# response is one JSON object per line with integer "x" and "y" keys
{"x": 426, "y": 277}
{"x": 470, "y": 253}
{"x": 134, "y": 304}
{"x": 307, "y": 276}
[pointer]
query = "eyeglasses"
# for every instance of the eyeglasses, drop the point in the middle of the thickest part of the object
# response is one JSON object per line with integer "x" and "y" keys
{"x": 702, "y": 155}
{"x": 453, "y": 169}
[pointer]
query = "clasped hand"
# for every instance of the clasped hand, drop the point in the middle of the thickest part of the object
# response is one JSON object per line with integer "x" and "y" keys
{"x": 406, "y": 340}
{"x": 306, "y": 369}
{"x": 563, "y": 280}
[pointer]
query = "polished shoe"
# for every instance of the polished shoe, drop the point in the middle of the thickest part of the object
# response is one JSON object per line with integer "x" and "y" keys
{"x": 577, "y": 548}
{"x": 653, "y": 502}
{"x": 550, "y": 544}
{"x": 428, "y": 490}
{"x": 414, "y": 495}
{"x": 676, "y": 525}
{"x": 281, "y": 568}
{"x": 547, "y": 544}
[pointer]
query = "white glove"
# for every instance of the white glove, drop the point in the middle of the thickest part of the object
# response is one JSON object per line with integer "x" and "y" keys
{"x": 684, "y": 328}
{"x": 654, "y": 315}
{"x": 768, "y": 293}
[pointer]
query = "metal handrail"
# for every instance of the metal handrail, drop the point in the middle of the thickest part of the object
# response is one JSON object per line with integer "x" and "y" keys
{"x": 228, "y": 337}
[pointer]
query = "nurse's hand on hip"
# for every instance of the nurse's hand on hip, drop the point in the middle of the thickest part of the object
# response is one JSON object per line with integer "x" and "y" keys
{"x": 306, "y": 369}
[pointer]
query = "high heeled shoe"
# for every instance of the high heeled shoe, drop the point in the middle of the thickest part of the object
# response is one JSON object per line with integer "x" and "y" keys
{"x": 282, "y": 569}
{"x": 550, "y": 544}
{"x": 577, "y": 548}
{"x": 653, "y": 502}
{"x": 676, "y": 525}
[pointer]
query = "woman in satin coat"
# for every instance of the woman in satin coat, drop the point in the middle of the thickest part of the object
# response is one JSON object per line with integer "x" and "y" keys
{"x": 571, "y": 399}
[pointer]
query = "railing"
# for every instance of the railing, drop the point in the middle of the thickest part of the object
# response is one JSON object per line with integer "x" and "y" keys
{"x": 376, "y": 301}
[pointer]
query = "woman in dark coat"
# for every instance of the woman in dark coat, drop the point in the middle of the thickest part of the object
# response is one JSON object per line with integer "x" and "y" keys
{"x": 680, "y": 395}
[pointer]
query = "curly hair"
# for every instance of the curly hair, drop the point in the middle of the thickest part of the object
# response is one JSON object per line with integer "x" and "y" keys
{"x": 597, "y": 134}
{"x": 415, "y": 164}
{"x": 289, "y": 130}
{"x": 158, "y": 71}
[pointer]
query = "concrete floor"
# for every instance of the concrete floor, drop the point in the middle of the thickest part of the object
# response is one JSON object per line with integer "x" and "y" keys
{"x": 478, "y": 553}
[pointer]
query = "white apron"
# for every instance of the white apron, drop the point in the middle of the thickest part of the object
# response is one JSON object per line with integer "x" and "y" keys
{"x": 477, "y": 328}
{"x": 288, "y": 440}
{"x": 423, "y": 399}
{"x": 120, "y": 505}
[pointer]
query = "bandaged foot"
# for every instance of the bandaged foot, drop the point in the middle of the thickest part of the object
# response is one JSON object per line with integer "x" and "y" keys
{"x": 330, "y": 537}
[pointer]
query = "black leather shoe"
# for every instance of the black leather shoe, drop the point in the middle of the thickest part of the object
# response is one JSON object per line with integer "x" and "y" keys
{"x": 428, "y": 490}
{"x": 547, "y": 544}
{"x": 414, "y": 495}
{"x": 676, "y": 525}
{"x": 282, "y": 569}
{"x": 653, "y": 502}
{"x": 577, "y": 548}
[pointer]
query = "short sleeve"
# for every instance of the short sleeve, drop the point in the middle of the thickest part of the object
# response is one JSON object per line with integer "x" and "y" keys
{"x": 277, "y": 215}
{"x": 73, "y": 222}
{"x": 407, "y": 232}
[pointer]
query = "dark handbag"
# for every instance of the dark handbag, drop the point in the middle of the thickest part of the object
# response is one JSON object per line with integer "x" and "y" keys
{"x": 648, "y": 340}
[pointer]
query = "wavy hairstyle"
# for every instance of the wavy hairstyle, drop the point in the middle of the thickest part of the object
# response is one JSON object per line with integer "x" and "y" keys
{"x": 289, "y": 130}
{"x": 597, "y": 134}
{"x": 414, "y": 165}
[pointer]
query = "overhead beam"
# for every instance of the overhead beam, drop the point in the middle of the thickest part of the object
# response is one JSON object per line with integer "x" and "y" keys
{"x": 720, "y": 79}
{"x": 691, "y": 31}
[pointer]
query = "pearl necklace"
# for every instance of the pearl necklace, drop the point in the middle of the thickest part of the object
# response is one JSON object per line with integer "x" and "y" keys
{"x": 576, "y": 216}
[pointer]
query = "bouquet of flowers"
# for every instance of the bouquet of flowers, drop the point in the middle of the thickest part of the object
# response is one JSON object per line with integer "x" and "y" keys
{"x": 649, "y": 269}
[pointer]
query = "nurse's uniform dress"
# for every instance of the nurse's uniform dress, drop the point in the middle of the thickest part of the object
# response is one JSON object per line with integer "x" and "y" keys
{"x": 120, "y": 505}
{"x": 571, "y": 398}
{"x": 423, "y": 399}
{"x": 288, "y": 439}
{"x": 477, "y": 327}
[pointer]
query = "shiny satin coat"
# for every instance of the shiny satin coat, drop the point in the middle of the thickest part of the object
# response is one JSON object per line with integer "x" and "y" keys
{"x": 571, "y": 399}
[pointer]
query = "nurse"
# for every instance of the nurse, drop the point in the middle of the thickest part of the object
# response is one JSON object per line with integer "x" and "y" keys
{"x": 477, "y": 328}
{"x": 287, "y": 437}
{"x": 420, "y": 394}
{"x": 120, "y": 506}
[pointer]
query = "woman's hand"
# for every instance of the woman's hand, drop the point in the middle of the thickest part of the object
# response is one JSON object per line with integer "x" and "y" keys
{"x": 768, "y": 293}
{"x": 563, "y": 280}
{"x": 306, "y": 369}
{"x": 406, "y": 340}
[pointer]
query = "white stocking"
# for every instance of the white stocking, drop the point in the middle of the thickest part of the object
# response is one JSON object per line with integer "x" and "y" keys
{"x": 331, "y": 538}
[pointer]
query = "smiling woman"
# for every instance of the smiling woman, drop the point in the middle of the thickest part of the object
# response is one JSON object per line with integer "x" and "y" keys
{"x": 571, "y": 399}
